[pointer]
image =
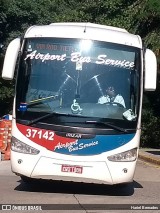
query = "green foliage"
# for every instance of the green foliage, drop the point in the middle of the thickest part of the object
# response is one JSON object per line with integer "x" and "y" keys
{"x": 150, "y": 129}
{"x": 6, "y": 96}
{"x": 140, "y": 16}
{"x": 137, "y": 16}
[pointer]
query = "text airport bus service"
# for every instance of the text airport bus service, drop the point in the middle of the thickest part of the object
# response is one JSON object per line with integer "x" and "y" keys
{"x": 59, "y": 129}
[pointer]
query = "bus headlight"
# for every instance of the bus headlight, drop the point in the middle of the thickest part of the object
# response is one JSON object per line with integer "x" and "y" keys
{"x": 127, "y": 156}
{"x": 19, "y": 146}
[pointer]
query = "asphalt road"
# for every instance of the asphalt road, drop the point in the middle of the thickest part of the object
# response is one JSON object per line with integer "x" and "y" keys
{"x": 88, "y": 198}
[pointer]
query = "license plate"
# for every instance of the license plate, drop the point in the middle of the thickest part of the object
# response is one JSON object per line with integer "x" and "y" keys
{"x": 72, "y": 169}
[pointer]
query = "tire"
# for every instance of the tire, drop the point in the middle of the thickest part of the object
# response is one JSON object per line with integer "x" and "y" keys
{"x": 28, "y": 180}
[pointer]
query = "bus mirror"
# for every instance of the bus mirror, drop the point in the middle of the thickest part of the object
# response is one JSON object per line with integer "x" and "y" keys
{"x": 150, "y": 63}
{"x": 10, "y": 59}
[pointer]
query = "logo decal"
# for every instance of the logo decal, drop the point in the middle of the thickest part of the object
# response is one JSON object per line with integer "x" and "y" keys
{"x": 76, "y": 145}
{"x": 73, "y": 135}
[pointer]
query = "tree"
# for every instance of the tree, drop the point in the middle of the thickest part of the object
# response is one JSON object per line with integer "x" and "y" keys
{"x": 137, "y": 16}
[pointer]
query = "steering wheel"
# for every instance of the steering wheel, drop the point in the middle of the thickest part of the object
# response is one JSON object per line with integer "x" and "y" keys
{"x": 114, "y": 103}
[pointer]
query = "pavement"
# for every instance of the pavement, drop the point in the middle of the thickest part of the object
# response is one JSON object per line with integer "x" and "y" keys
{"x": 150, "y": 155}
{"x": 145, "y": 154}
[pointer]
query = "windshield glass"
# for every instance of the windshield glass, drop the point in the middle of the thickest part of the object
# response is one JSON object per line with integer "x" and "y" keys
{"x": 83, "y": 78}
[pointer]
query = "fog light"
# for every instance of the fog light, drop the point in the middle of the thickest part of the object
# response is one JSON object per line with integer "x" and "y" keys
{"x": 19, "y": 146}
{"x": 130, "y": 155}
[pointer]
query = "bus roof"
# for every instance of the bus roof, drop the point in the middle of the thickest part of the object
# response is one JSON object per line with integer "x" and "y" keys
{"x": 85, "y": 31}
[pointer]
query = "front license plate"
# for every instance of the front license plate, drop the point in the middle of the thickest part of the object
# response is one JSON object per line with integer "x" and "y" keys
{"x": 72, "y": 169}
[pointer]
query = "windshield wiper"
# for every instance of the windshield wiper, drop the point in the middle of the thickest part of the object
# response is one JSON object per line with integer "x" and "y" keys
{"x": 47, "y": 116}
{"x": 87, "y": 122}
{"x": 40, "y": 118}
{"x": 107, "y": 124}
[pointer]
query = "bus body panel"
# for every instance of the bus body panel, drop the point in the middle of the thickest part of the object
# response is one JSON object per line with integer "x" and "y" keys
{"x": 85, "y": 31}
{"x": 95, "y": 144}
{"x": 51, "y": 165}
{"x": 100, "y": 171}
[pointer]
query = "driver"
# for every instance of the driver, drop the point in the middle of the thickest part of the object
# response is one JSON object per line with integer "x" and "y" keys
{"x": 111, "y": 97}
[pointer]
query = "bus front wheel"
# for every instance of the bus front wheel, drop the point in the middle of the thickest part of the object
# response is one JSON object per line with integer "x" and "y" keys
{"x": 26, "y": 179}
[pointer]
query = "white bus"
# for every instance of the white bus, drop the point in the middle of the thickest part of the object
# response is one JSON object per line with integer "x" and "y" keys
{"x": 60, "y": 128}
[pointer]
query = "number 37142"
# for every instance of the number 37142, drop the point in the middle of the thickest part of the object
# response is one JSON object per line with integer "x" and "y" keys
{"x": 34, "y": 133}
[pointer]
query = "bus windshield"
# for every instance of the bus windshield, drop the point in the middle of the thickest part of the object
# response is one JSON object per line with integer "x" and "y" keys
{"x": 78, "y": 78}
